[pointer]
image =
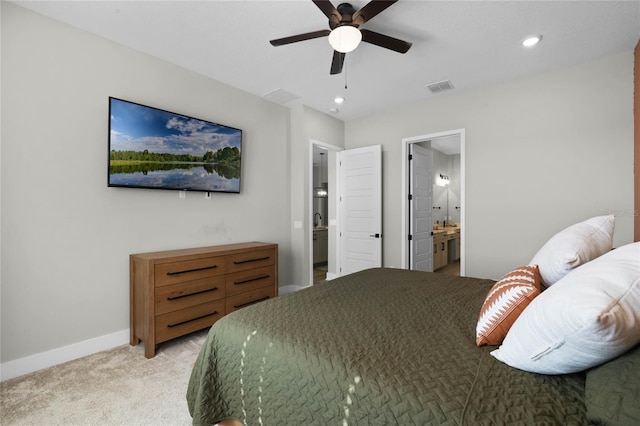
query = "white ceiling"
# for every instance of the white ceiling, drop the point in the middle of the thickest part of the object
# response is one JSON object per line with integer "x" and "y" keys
{"x": 449, "y": 145}
{"x": 470, "y": 43}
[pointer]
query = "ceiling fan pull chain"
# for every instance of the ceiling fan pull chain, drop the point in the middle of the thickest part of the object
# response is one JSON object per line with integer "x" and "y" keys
{"x": 345, "y": 74}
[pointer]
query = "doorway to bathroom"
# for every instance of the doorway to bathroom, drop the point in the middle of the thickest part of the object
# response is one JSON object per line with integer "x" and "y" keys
{"x": 320, "y": 212}
{"x": 352, "y": 221}
{"x": 433, "y": 202}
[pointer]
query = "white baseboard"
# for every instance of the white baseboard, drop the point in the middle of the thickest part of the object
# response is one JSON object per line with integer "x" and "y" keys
{"x": 31, "y": 363}
{"x": 331, "y": 276}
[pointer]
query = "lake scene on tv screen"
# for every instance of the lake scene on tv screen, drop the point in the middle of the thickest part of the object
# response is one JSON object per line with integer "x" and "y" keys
{"x": 153, "y": 148}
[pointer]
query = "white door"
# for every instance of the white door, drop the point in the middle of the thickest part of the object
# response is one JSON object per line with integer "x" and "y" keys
{"x": 420, "y": 208}
{"x": 360, "y": 210}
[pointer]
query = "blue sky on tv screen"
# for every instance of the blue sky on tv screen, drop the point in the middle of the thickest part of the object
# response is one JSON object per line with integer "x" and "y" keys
{"x": 136, "y": 128}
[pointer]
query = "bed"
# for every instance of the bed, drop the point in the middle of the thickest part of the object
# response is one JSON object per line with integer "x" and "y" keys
{"x": 378, "y": 347}
{"x": 554, "y": 342}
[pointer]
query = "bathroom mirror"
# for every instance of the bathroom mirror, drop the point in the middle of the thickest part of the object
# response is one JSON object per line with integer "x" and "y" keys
{"x": 446, "y": 188}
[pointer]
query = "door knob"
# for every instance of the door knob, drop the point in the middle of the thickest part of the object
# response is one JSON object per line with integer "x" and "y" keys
{"x": 375, "y": 235}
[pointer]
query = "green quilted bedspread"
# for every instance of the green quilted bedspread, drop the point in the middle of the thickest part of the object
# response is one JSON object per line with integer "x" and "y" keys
{"x": 378, "y": 347}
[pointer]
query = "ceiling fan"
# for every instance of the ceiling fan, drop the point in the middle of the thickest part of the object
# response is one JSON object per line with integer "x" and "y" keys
{"x": 344, "y": 34}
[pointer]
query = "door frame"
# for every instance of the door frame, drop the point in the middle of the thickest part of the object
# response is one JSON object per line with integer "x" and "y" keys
{"x": 331, "y": 223}
{"x": 405, "y": 194}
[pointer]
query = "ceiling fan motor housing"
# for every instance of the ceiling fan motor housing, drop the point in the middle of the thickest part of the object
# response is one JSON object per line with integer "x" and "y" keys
{"x": 346, "y": 11}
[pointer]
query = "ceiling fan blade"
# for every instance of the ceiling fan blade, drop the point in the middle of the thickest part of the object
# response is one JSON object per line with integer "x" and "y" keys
{"x": 328, "y": 9}
{"x": 299, "y": 37}
{"x": 385, "y": 41}
{"x": 370, "y": 10}
{"x": 337, "y": 63}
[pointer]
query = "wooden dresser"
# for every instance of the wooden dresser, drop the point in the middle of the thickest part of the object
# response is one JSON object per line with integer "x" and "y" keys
{"x": 177, "y": 292}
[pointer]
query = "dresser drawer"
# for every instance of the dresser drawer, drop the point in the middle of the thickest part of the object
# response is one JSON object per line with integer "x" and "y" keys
{"x": 174, "y": 297}
{"x": 178, "y": 323}
{"x": 249, "y": 298}
{"x": 252, "y": 279}
{"x": 178, "y": 272}
{"x": 251, "y": 260}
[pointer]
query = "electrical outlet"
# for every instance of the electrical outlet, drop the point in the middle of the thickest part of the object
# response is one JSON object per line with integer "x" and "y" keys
{"x": 207, "y": 196}
{"x": 182, "y": 194}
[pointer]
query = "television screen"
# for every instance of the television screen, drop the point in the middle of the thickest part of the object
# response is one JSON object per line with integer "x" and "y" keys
{"x": 157, "y": 149}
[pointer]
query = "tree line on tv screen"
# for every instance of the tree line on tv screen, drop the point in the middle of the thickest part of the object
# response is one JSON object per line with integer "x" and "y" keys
{"x": 226, "y": 155}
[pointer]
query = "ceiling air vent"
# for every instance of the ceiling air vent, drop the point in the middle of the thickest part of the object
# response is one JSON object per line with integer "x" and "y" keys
{"x": 281, "y": 97}
{"x": 440, "y": 86}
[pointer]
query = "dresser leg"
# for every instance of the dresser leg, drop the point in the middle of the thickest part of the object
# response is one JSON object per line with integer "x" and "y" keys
{"x": 133, "y": 338}
{"x": 149, "y": 349}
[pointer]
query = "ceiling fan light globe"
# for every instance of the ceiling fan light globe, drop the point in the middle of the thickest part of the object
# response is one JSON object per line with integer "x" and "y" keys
{"x": 345, "y": 39}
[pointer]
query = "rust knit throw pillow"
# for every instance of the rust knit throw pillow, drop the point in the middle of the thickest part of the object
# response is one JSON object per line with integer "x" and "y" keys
{"x": 505, "y": 302}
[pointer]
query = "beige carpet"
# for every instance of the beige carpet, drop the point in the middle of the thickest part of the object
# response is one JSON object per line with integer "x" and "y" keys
{"x": 115, "y": 387}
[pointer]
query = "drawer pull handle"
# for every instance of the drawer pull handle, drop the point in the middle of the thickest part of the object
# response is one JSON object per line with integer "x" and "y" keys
{"x": 191, "y": 320}
{"x": 192, "y": 270}
{"x": 240, "y": 262}
{"x": 191, "y": 294}
{"x": 261, "y": 277}
{"x": 250, "y": 303}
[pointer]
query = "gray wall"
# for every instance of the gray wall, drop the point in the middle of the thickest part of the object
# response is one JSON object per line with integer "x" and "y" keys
{"x": 307, "y": 125}
{"x": 541, "y": 154}
{"x": 66, "y": 237}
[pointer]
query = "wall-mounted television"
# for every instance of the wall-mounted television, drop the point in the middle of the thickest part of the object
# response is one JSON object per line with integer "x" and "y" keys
{"x": 157, "y": 149}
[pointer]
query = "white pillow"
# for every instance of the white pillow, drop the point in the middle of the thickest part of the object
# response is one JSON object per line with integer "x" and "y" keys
{"x": 589, "y": 317}
{"x": 574, "y": 246}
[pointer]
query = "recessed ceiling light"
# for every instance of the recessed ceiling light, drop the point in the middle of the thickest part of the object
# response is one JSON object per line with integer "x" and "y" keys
{"x": 531, "y": 41}
{"x": 338, "y": 99}
{"x": 334, "y": 110}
